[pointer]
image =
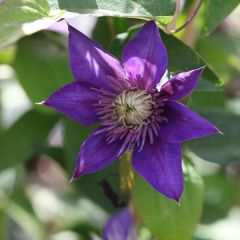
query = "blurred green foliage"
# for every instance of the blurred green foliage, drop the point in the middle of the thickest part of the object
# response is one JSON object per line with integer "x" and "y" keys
{"x": 38, "y": 151}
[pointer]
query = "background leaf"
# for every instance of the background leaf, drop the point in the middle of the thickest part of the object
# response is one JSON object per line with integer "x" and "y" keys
{"x": 164, "y": 217}
{"x": 183, "y": 58}
{"x": 221, "y": 149}
{"x": 214, "y": 13}
{"x": 126, "y": 8}
{"x": 41, "y": 65}
{"x": 220, "y": 196}
{"x": 74, "y": 135}
{"x": 24, "y": 138}
{"x": 200, "y": 100}
{"x": 19, "y": 18}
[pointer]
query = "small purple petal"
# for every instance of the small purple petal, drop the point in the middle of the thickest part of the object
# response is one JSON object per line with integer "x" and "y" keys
{"x": 96, "y": 154}
{"x": 59, "y": 27}
{"x": 184, "y": 124}
{"x": 120, "y": 227}
{"x": 75, "y": 101}
{"x": 160, "y": 164}
{"x": 182, "y": 84}
{"x": 90, "y": 63}
{"x": 145, "y": 55}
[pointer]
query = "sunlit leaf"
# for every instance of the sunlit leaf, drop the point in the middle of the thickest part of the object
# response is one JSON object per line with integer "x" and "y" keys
{"x": 23, "y": 17}
{"x": 125, "y": 8}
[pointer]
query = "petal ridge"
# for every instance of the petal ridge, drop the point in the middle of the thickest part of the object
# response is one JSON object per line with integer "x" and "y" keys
{"x": 183, "y": 124}
{"x": 90, "y": 63}
{"x": 160, "y": 164}
{"x": 146, "y": 55}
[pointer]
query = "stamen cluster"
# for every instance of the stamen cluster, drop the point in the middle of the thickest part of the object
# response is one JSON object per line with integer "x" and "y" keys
{"x": 130, "y": 113}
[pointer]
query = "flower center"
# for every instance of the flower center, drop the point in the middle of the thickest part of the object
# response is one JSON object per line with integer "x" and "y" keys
{"x": 133, "y": 107}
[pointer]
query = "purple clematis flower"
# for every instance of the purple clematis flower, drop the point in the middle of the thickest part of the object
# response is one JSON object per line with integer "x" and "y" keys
{"x": 120, "y": 227}
{"x": 134, "y": 115}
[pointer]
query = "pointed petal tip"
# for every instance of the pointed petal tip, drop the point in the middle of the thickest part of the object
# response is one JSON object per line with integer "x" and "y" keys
{"x": 75, "y": 175}
{"x": 201, "y": 69}
{"x": 41, "y": 103}
{"x": 145, "y": 55}
{"x": 219, "y": 132}
{"x": 215, "y": 130}
{"x": 176, "y": 198}
{"x": 178, "y": 203}
{"x": 70, "y": 27}
{"x": 72, "y": 179}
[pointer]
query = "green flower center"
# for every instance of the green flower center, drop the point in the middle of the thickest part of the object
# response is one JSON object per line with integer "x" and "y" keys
{"x": 133, "y": 107}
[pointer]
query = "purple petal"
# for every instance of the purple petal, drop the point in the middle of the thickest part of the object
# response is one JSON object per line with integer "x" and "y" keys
{"x": 90, "y": 63}
{"x": 160, "y": 164}
{"x": 182, "y": 84}
{"x": 59, "y": 27}
{"x": 145, "y": 55}
{"x": 120, "y": 227}
{"x": 96, "y": 154}
{"x": 75, "y": 101}
{"x": 184, "y": 124}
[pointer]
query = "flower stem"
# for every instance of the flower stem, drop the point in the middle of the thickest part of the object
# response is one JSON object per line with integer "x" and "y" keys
{"x": 190, "y": 18}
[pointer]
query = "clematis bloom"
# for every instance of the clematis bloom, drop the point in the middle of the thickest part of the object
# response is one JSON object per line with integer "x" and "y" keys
{"x": 120, "y": 227}
{"x": 133, "y": 113}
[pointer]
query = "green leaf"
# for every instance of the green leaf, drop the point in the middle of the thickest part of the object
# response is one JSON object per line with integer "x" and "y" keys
{"x": 23, "y": 17}
{"x": 25, "y": 137}
{"x": 74, "y": 135}
{"x": 164, "y": 217}
{"x": 125, "y": 8}
{"x": 7, "y": 55}
{"x": 202, "y": 100}
{"x": 103, "y": 188}
{"x": 3, "y": 225}
{"x": 43, "y": 67}
{"x": 221, "y": 149}
{"x": 182, "y": 58}
{"x": 220, "y": 196}
{"x": 224, "y": 56}
{"x": 19, "y": 193}
{"x": 107, "y": 28}
{"x": 214, "y": 13}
